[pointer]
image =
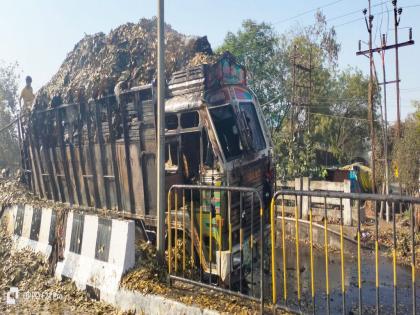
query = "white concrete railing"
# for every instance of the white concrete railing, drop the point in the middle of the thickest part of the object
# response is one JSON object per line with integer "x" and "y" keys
{"x": 304, "y": 183}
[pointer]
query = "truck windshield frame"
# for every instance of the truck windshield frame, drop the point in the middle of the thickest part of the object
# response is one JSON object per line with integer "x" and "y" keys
{"x": 227, "y": 131}
{"x": 252, "y": 122}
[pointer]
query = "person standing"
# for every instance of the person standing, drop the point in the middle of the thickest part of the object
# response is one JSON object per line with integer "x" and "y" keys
{"x": 28, "y": 96}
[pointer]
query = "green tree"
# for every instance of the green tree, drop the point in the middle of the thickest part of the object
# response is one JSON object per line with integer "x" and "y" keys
{"x": 341, "y": 120}
{"x": 255, "y": 46}
{"x": 304, "y": 121}
{"x": 9, "y": 149}
{"x": 9, "y": 84}
{"x": 406, "y": 152}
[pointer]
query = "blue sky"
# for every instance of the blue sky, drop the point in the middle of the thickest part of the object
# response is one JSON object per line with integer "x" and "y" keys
{"x": 39, "y": 34}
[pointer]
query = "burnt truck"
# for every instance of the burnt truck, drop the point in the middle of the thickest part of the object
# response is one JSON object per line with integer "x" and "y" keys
{"x": 101, "y": 153}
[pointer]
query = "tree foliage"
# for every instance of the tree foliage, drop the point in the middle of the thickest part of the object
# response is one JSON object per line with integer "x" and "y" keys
{"x": 406, "y": 152}
{"x": 330, "y": 120}
{"x": 9, "y": 85}
{"x": 9, "y": 150}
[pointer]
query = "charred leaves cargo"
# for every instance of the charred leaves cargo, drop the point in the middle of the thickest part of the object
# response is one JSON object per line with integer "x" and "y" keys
{"x": 101, "y": 153}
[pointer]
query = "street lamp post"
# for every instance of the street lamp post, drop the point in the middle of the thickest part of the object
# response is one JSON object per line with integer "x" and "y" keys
{"x": 160, "y": 165}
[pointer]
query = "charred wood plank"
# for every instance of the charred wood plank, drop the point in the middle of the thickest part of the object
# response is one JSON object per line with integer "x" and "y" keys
{"x": 113, "y": 154}
{"x": 35, "y": 165}
{"x": 92, "y": 158}
{"x": 81, "y": 155}
{"x": 56, "y": 169}
{"x": 53, "y": 184}
{"x": 123, "y": 108}
{"x": 100, "y": 137}
{"x": 139, "y": 107}
{"x": 75, "y": 174}
{"x": 59, "y": 121}
{"x": 25, "y": 156}
{"x": 38, "y": 165}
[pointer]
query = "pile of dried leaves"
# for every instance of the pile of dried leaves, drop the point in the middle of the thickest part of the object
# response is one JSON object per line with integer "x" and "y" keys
{"x": 13, "y": 191}
{"x": 128, "y": 53}
{"x": 150, "y": 277}
{"x": 386, "y": 239}
{"x": 38, "y": 291}
{"x": 29, "y": 272}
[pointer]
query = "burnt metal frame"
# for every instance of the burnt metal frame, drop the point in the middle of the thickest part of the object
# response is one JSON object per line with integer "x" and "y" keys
{"x": 61, "y": 186}
{"x": 202, "y": 188}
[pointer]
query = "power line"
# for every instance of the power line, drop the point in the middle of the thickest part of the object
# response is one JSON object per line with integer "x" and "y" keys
{"x": 411, "y": 89}
{"x": 376, "y": 14}
{"x": 341, "y": 117}
{"x": 309, "y": 11}
{"x": 353, "y": 12}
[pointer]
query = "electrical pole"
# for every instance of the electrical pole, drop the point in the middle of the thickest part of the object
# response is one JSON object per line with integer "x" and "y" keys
{"x": 301, "y": 100}
{"x": 397, "y": 16}
{"x": 385, "y": 129}
{"x": 369, "y": 24}
{"x": 382, "y": 48}
{"x": 160, "y": 165}
{"x": 293, "y": 109}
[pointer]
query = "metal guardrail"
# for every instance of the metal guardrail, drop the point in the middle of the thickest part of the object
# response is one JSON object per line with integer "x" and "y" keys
{"x": 392, "y": 200}
{"x": 207, "y": 248}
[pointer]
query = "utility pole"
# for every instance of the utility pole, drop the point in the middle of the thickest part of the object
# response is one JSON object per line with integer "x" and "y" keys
{"x": 292, "y": 114}
{"x": 160, "y": 165}
{"x": 396, "y": 46}
{"x": 385, "y": 129}
{"x": 293, "y": 108}
{"x": 369, "y": 26}
{"x": 301, "y": 99}
{"x": 397, "y": 16}
{"x": 370, "y": 95}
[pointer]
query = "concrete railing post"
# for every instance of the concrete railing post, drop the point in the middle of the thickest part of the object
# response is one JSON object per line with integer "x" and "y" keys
{"x": 347, "y": 212}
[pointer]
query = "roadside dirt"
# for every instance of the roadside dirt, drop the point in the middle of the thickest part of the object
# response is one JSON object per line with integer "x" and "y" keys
{"x": 149, "y": 277}
{"x": 39, "y": 293}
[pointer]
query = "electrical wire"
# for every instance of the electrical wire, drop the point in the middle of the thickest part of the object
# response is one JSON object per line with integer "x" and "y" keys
{"x": 375, "y": 14}
{"x": 341, "y": 117}
{"x": 307, "y": 12}
{"x": 353, "y": 12}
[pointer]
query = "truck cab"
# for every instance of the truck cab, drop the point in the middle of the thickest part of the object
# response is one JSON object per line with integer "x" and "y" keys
{"x": 216, "y": 135}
